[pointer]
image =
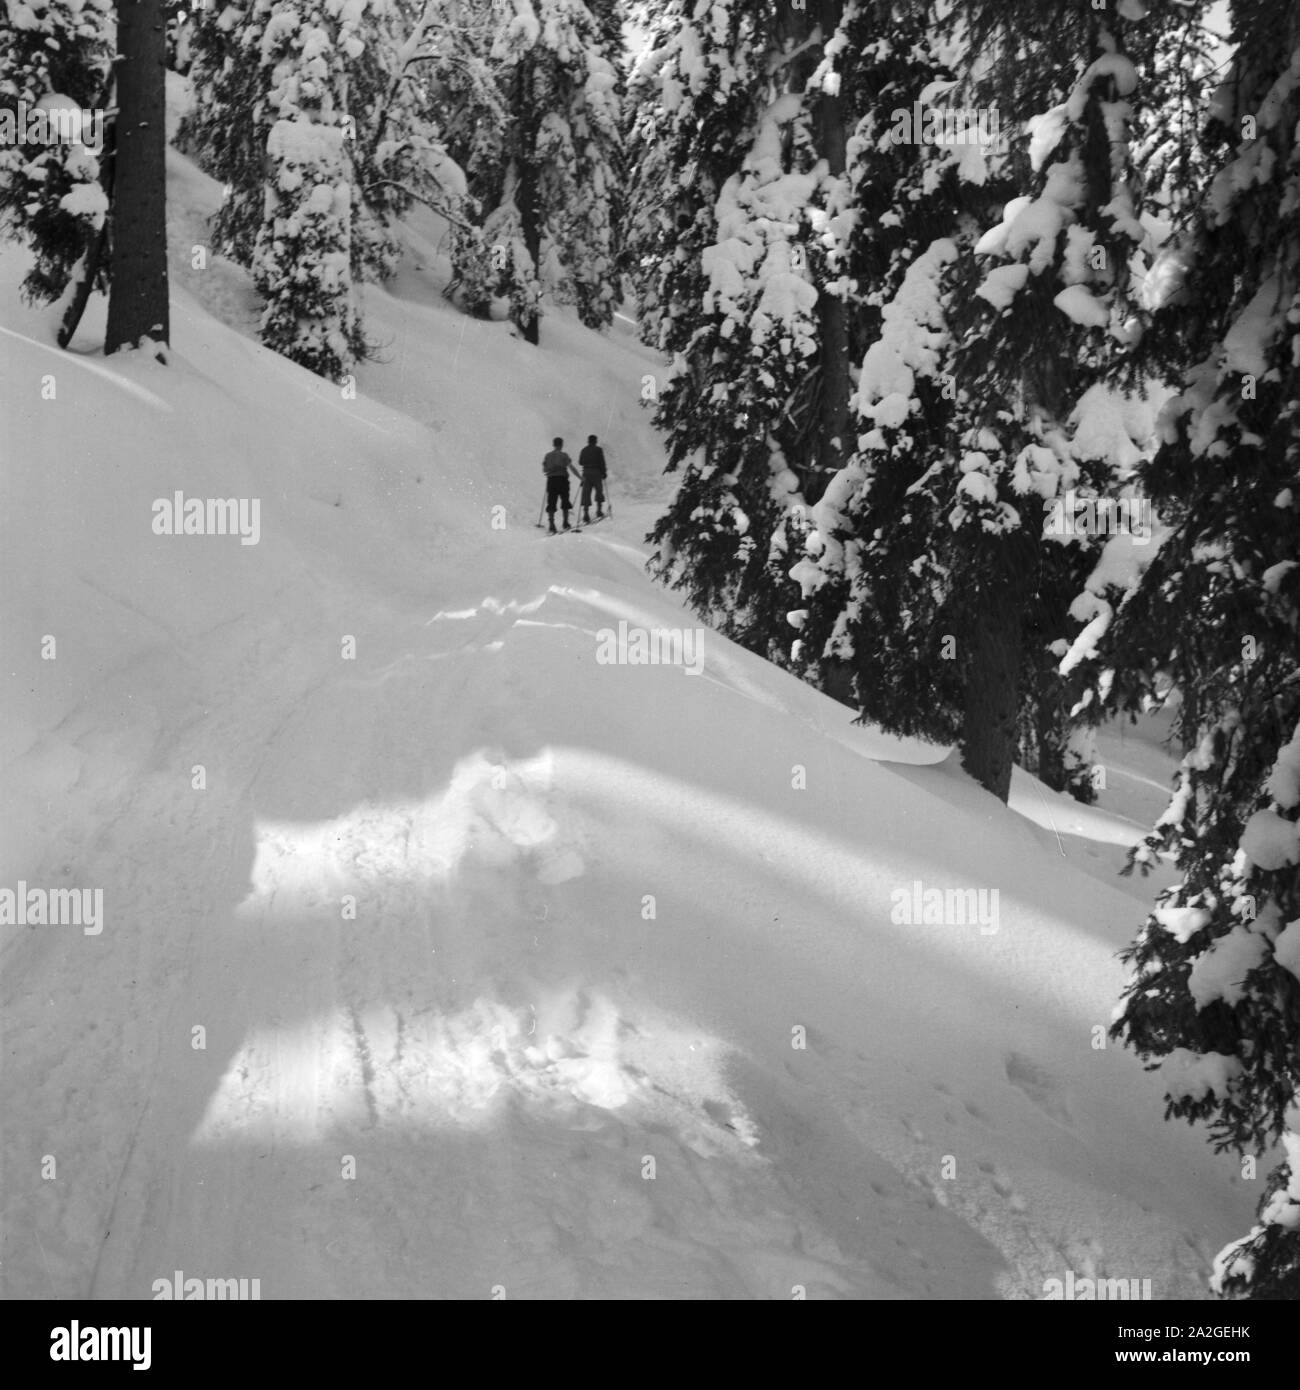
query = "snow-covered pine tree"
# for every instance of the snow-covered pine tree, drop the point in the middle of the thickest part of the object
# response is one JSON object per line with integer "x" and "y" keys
{"x": 546, "y": 172}
{"x": 873, "y": 580}
{"x": 463, "y": 99}
{"x": 931, "y": 578}
{"x": 368, "y": 68}
{"x": 56, "y": 56}
{"x": 399, "y": 88}
{"x": 1152, "y": 161}
{"x": 226, "y": 127}
{"x": 586, "y": 150}
{"x": 1215, "y": 996}
{"x": 1057, "y": 315}
{"x": 1174, "y": 52}
{"x": 302, "y": 255}
{"x": 739, "y": 228}
{"x": 688, "y": 101}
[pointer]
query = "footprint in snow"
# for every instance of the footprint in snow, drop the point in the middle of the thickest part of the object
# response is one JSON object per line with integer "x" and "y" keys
{"x": 1039, "y": 1087}
{"x": 1002, "y": 1185}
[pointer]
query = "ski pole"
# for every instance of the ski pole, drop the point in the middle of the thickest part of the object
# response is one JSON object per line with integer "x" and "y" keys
{"x": 542, "y": 508}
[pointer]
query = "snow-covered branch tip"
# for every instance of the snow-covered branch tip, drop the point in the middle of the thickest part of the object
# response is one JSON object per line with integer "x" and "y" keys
{"x": 421, "y": 198}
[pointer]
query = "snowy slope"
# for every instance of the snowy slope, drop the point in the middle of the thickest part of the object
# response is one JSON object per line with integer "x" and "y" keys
{"x": 463, "y": 1085}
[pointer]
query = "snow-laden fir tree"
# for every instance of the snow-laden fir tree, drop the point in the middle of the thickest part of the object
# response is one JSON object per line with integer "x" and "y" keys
{"x": 1173, "y": 50}
{"x": 302, "y": 254}
{"x": 740, "y": 226}
{"x": 470, "y": 110}
{"x": 544, "y": 163}
{"x": 54, "y": 56}
{"x": 945, "y": 557}
{"x": 226, "y": 127}
{"x": 402, "y": 102}
{"x": 1038, "y": 442}
{"x": 872, "y": 578}
{"x": 368, "y": 68}
{"x": 1215, "y": 997}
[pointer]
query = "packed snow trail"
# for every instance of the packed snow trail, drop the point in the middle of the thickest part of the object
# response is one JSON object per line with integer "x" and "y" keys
{"x": 475, "y": 963}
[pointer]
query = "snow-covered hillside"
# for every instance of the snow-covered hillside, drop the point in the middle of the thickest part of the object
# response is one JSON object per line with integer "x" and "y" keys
{"x": 439, "y": 955}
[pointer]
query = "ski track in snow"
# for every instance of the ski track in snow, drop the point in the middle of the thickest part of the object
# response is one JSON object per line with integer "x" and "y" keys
{"x": 393, "y": 1045}
{"x": 463, "y": 1085}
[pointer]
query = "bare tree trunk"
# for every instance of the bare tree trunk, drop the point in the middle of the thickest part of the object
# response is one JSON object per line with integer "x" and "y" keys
{"x": 138, "y": 300}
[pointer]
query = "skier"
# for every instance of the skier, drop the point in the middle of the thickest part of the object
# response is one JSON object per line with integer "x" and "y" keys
{"x": 592, "y": 460}
{"x": 557, "y": 466}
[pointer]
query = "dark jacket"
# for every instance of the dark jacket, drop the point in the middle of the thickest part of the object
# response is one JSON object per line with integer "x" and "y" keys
{"x": 556, "y": 464}
{"x": 592, "y": 461}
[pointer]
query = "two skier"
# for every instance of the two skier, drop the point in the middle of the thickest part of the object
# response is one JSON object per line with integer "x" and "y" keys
{"x": 557, "y": 466}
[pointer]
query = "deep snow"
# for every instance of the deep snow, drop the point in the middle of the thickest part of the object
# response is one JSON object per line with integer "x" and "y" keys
{"x": 462, "y": 1088}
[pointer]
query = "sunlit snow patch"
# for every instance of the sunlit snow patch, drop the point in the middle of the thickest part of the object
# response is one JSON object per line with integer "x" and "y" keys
{"x": 571, "y": 1049}
{"x": 493, "y": 810}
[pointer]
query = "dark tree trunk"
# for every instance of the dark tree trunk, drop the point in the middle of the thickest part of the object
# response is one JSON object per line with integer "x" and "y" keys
{"x": 823, "y": 448}
{"x": 1050, "y": 735}
{"x": 530, "y": 224}
{"x": 87, "y": 274}
{"x": 530, "y": 219}
{"x": 137, "y": 301}
{"x": 836, "y": 386}
{"x": 990, "y": 718}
